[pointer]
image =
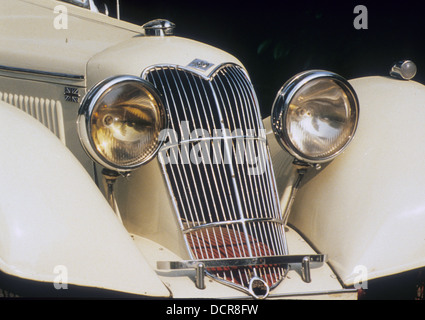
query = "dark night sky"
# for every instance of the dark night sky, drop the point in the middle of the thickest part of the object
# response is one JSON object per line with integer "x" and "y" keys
{"x": 277, "y": 39}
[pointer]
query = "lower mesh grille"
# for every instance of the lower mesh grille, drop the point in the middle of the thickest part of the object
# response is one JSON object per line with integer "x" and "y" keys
{"x": 217, "y": 166}
{"x": 223, "y": 243}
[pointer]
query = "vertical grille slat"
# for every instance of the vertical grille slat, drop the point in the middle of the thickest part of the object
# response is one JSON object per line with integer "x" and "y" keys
{"x": 217, "y": 165}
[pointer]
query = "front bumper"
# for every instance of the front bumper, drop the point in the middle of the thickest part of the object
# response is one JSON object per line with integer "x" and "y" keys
{"x": 324, "y": 283}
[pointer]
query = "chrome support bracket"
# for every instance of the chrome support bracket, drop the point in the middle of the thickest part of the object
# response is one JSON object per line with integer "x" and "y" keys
{"x": 110, "y": 178}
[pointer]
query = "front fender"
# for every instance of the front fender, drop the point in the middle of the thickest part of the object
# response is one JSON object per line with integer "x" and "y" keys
{"x": 53, "y": 217}
{"x": 367, "y": 207}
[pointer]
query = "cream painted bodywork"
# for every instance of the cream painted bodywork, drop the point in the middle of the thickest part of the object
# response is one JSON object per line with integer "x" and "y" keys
{"x": 366, "y": 209}
{"x": 53, "y": 217}
{"x": 142, "y": 52}
{"x": 67, "y": 221}
{"x": 68, "y": 46}
{"x": 65, "y": 225}
{"x": 92, "y": 46}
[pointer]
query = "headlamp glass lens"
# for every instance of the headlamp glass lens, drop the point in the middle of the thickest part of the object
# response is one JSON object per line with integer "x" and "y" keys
{"x": 319, "y": 118}
{"x": 315, "y": 116}
{"x": 123, "y": 123}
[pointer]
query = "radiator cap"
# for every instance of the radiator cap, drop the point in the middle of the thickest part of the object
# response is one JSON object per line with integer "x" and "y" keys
{"x": 159, "y": 28}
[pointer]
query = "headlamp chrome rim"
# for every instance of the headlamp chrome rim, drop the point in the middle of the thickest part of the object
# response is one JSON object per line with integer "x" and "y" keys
{"x": 87, "y": 107}
{"x": 281, "y": 106}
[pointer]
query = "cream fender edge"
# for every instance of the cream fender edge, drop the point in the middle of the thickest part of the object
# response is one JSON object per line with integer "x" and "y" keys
{"x": 53, "y": 218}
{"x": 366, "y": 209}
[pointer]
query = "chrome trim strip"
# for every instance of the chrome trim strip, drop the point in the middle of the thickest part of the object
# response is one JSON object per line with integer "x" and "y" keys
{"x": 249, "y": 290}
{"x": 228, "y": 222}
{"x": 203, "y": 139}
{"x": 190, "y": 70}
{"x": 313, "y": 293}
{"x": 316, "y": 260}
{"x": 72, "y": 77}
{"x": 302, "y": 294}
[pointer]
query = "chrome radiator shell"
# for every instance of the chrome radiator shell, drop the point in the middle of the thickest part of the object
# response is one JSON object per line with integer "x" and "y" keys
{"x": 217, "y": 166}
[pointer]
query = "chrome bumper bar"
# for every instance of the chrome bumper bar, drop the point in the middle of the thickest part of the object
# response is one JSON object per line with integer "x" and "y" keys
{"x": 306, "y": 262}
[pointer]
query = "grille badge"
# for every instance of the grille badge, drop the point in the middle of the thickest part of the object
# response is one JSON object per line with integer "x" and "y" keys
{"x": 200, "y": 64}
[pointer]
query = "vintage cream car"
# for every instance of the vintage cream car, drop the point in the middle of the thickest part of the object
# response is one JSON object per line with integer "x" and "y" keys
{"x": 136, "y": 162}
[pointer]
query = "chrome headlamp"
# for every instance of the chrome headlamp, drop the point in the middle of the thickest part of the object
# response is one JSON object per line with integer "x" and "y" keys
{"x": 315, "y": 116}
{"x": 119, "y": 122}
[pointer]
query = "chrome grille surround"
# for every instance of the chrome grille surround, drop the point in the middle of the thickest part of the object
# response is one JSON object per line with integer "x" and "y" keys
{"x": 217, "y": 166}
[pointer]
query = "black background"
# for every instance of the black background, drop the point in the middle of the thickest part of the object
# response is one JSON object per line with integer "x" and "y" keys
{"x": 277, "y": 39}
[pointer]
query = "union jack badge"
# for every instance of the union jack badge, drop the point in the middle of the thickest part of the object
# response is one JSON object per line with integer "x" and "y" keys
{"x": 72, "y": 94}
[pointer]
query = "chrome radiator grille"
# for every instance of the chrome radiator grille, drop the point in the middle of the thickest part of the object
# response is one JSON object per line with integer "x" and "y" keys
{"x": 216, "y": 163}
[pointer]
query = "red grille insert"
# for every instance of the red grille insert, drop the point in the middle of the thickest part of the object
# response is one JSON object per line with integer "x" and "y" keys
{"x": 222, "y": 243}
